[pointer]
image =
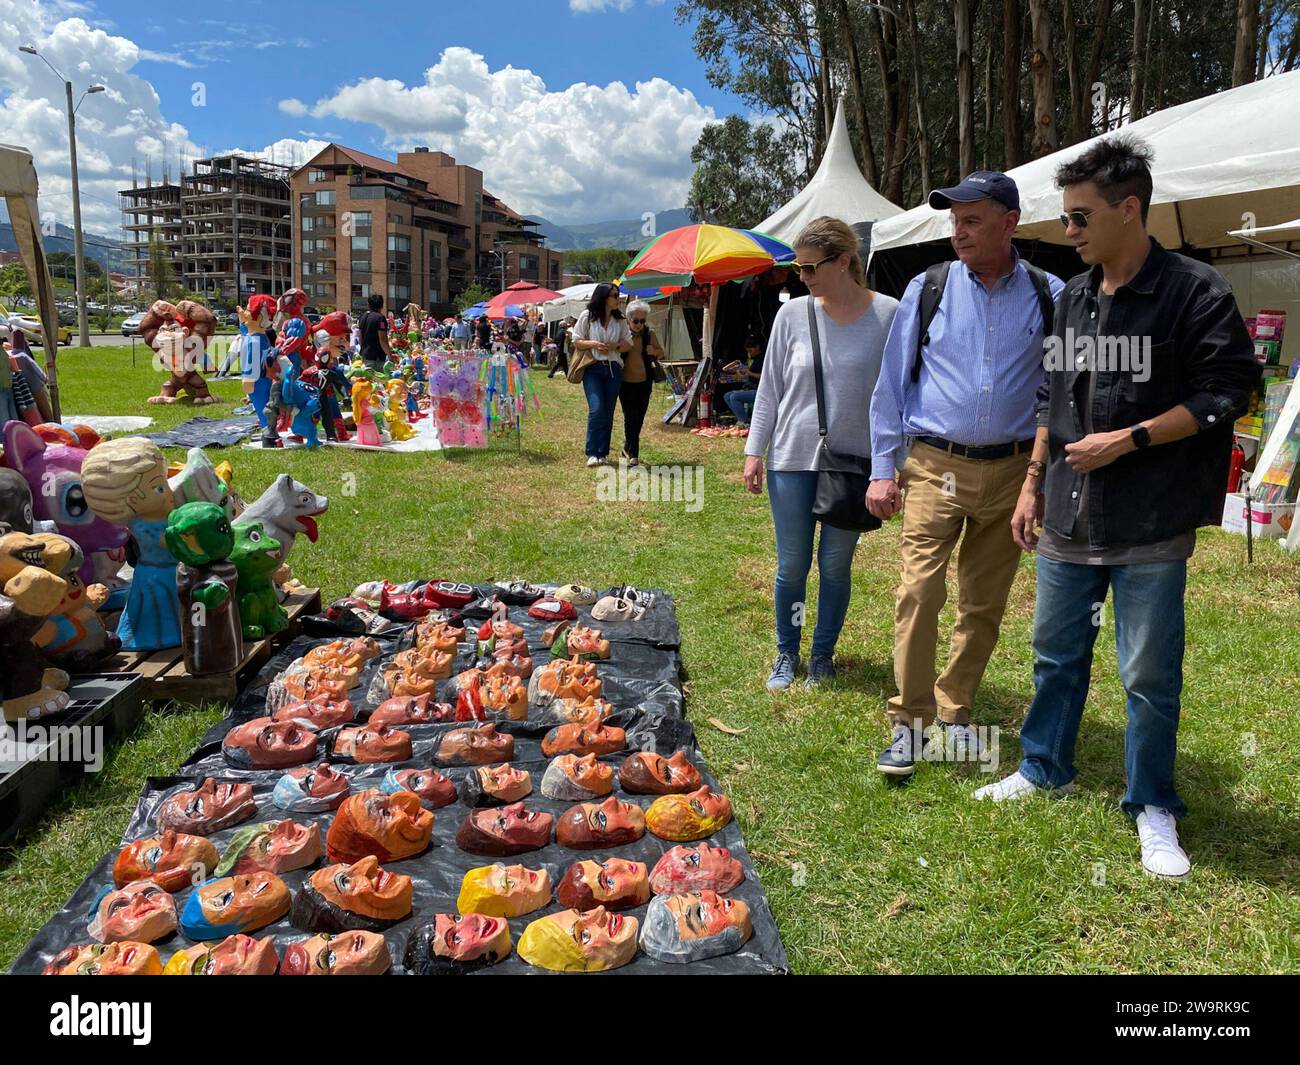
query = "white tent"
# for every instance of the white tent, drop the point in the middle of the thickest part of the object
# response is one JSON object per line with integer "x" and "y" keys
{"x": 18, "y": 186}
{"x": 1220, "y": 162}
{"x": 837, "y": 189}
{"x": 572, "y": 303}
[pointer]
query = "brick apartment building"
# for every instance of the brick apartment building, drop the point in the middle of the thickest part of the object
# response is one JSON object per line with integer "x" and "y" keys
{"x": 419, "y": 229}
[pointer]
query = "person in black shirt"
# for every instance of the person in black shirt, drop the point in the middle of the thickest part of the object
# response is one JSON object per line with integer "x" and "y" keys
{"x": 483, "y": 332}
{"x": 374, "y": 335}
{"x": 741, "y": 399}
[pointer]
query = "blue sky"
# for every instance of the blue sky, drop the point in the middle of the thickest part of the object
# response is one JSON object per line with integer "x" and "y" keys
{"x": 579, "y": 110}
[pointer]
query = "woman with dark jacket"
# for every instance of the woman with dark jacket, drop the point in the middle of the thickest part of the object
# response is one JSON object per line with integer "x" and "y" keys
{"x": 638, "y": 378}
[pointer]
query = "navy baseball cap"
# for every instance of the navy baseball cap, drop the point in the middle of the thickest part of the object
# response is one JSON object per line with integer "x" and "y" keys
{"x": 979, "y": 185}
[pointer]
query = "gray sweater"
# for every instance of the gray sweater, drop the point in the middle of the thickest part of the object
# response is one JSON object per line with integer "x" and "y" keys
{"x": 784, "y": 423}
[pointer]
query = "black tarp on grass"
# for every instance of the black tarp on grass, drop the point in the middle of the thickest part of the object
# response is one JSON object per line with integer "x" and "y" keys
{"x": 640, "y": 680}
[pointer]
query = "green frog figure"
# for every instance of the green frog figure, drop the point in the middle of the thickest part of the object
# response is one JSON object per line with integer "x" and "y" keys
{"x": 200, "y": 538}
{"x": 256, "y": 556}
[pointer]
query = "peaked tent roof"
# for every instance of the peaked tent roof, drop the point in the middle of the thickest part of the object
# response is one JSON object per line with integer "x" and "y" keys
{"x": 837, "y": 189}
{"x": 1216, "y": 158}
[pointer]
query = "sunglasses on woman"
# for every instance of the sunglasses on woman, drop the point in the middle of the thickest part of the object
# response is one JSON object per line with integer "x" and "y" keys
{"x": 811, "y": 268}
{"x": 637, "y": 321}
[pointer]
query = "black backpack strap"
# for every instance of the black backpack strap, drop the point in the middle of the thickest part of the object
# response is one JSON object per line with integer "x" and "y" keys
{"x": 936, "y": 277}
{"x": 817, "y": 367}
{"x": 1046, "y": 304}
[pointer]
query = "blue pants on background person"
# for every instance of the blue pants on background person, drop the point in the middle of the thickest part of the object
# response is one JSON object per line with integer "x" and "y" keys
{"x": 741, "y": 402}
{"x": 1147, "y": 608}
{"x": 791, "y": 494}
{"x": 601, "y": 382}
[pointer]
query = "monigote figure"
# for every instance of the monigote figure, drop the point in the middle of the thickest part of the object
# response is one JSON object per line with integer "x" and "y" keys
{"x": 428, "y": 785}
{"x": 105, "y": 959}
{"x": 495, "y": 785}
{"x": 171, "y": 860}
{"x": 141, "y": 912}
{"x": 607, "y": 824}
{"x": 180, "y": 334}
{"x": 263, "y": 743}
{"x": 257, "y": 361}
{"x": 199, "y": 536}
{"x": 577, "y": 778}
{"x": 30, "y": 591}
{"x": 273, "y": 846}
{"x": 207, "y": 809}
{"x": 615, "y": 883}
{"x": 688, "y": 817}
{"x": 311, "y": 789}
{"x": 387, "y": 826}
{"x": 453, "y": 944}
{"x": 698, "y": 868}
{"x": 256, "y": 557}
{"x": 509, "y": 830}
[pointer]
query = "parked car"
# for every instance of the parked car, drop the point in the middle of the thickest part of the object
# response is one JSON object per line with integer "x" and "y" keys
{"x": 131, "y": 326}
{"x": 31, "y": 326}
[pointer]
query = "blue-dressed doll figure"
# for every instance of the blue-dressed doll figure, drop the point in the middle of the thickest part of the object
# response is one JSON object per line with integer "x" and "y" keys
{"x": 125, "y": 482}
{"x": 257, "y": 355}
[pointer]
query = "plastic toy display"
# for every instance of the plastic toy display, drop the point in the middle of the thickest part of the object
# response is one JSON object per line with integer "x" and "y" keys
{"x": 179, "y": 334}
{"x": 125, "y": 482}
{"x": 200, "y": 537}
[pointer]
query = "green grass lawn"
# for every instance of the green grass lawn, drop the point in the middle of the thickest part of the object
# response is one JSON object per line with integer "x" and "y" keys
{"x": 862, "y": 876}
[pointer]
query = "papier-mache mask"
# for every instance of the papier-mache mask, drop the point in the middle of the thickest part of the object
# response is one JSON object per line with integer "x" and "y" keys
{"x": 683, "y": 869}
{"x": 141, "y": 912}
{"x": 452, "y": 944}
{"x": 684, "y": 818}
{"x": 615, "y": 883}
{"x": 355, "y": 953}
{"x": 264, "y": 743}
{"x": 475, "y": 746}
{"x": 317, "y": 714}
{"x": 237, "y": 955}
{"x": 647, "y": 773}
{"x": 606, "y": 824}
{"x": 311, "y": 789}
{"x": 172, "y": 860}
{"x": 504, "y": 890}
{"x": 432, "y": 788}
{"x": 494, "y": 785}
{"x": 105, "y": 959}
{"x": 208, "y": 808}
{"x": 694, "y": 926}
{"x": 401, "y": 710}
{"x": 583, "y": 739}
{"x": 576, "y": 778}
{"x": 366, "y": 745}
{"x": 344, "y": 898}
{"x": 577, "y": 594}
{"x": 242, "y": 903}
{"x": 617, "y": 608}
{"x": 389, "y": 826}
{"x": 579, "y": 942}
{"x": 511, "y": 829}
{"x": 275, "y": 846}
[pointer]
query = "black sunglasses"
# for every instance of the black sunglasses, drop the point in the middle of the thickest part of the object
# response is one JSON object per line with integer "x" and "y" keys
{"x": 811, "y": 268}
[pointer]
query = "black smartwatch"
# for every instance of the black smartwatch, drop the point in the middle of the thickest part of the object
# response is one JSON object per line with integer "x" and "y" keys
{"x": 1141, "y": 437}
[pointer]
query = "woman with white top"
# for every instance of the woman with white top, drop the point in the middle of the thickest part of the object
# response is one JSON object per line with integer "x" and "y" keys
{"x": 852, "y": 323}
{"x": 603, "y": 331}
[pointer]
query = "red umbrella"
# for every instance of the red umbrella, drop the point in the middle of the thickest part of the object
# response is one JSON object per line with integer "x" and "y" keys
{"x": 520, "y": 293}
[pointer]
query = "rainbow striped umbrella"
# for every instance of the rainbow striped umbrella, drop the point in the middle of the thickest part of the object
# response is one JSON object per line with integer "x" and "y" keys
{"x": 704, "y": 254}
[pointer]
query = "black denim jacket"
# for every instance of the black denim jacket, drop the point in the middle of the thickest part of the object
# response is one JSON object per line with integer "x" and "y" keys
{"x": 1200, "y": 355}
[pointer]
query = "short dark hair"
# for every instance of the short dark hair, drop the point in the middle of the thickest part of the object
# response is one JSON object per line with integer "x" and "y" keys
{"x": 376, "y": 302}
{"x": 1119, "y": 166}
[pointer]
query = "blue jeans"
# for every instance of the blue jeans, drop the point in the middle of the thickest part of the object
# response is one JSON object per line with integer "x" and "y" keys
{"x": 741, "y": 403}
{"x": 1148, "y": 610}
{"x": 601, "y": 383}
{"x": 792, "y": 493}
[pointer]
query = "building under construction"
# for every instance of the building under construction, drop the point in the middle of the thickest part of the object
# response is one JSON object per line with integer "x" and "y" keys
{"x": 226, "y": 228}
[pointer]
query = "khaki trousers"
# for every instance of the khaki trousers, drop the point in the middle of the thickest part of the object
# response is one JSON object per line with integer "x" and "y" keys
{"x": 947, "y": 498}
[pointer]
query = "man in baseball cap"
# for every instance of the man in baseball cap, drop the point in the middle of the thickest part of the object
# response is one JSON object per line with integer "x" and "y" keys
{"x": 958, "y": 381}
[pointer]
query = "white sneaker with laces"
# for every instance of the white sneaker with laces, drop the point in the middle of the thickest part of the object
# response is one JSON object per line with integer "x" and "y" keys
{"x": 1018, "y": 787}
{"x": 592, "y": 461}
{"x": 1161, "y": 854}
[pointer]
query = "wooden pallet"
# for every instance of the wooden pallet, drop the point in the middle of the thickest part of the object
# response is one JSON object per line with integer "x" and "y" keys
{"x": 165, "y": 678}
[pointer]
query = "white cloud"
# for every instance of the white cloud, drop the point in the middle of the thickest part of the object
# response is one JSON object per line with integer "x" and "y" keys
{"x": 293, "y": 106}
{"x": 591, "y": 7}
{"x": 586, "y": 152}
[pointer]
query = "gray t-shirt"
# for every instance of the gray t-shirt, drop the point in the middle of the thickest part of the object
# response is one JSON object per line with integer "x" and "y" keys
{"x": 1077, "y": 548}
{"x": 784, "y": 423}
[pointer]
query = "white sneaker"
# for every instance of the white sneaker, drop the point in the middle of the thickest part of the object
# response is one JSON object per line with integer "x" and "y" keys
{"x": 1017, "y": 787}
{"x": 1161, "y": 854}
{"x": 961, "y": 743}
{"x": 593, "y": 461}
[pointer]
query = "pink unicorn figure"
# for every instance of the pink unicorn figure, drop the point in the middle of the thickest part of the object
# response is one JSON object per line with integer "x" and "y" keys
{"x": 53, "y": 471}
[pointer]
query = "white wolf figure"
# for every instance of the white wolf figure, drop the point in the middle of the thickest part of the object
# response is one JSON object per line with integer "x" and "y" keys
{"x": 286, "y": 509}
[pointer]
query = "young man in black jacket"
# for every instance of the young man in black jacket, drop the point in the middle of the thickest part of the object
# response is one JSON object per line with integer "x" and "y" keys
{"x": 1148, "y": 366}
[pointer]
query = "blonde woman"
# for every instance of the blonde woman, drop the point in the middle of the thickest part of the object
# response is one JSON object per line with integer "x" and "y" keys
{"x": 125, "y": 482}
{"x": 852, "y": 323}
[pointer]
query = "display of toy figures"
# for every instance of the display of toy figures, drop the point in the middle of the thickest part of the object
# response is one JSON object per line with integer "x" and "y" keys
{"x": 292, "y": 337}
{"x": 198, "y": 481}
{"x": 363, "y": 409}
{"x": 179, "y": 334}
{"x": 286, "y": 509}
{"x": 30, "y": 591}
{"x": 200, "y": 538}
{"x": 256, "y": 557}
{"x": 257, "y": 362}
{"x": 125, "y": 482}
{"x": 53, "y": 472}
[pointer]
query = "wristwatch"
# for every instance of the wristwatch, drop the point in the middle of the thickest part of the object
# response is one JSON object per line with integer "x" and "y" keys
{"x": 1141, "y": 437}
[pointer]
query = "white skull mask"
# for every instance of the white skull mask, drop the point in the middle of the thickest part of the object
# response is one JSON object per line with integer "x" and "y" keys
{"x": 617, "y": 608}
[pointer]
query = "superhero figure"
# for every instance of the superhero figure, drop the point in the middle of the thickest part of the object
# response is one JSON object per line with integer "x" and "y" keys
{"x": 331, "y": 338}
{"x": 288, "y": 316}
{"x": 257, "y": 361}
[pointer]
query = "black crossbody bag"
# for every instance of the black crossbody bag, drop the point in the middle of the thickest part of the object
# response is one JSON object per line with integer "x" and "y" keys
{"x": 842, "y": 479}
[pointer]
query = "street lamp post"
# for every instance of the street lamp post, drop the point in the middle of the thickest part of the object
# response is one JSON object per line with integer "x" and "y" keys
{"x": 82, "y": 322}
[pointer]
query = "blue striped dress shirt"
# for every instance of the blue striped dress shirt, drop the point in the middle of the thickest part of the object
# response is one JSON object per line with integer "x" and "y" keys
{"x": 979, "y": 373}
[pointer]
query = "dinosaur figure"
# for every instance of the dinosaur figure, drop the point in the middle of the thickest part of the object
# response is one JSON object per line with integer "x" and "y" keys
{"x": 256, "y": 556}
